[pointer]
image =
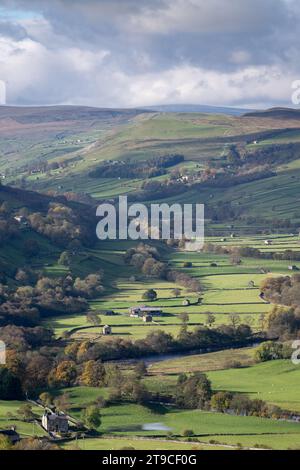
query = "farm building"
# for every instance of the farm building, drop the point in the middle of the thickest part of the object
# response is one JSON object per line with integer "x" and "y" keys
{"x": 144, "y": 310}
{"x": 186, "y": 303}
{"x": 106, "y": 330}
{"x": 147, "y": 318}
{"x": 268, "y": 242}
{"x": 55, "y": 422}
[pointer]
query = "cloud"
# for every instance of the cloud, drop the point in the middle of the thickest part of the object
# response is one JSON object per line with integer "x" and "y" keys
{"x": 213, "y": 17}
{"x": 12, "y": 30}
{"x": 137, "y": 52}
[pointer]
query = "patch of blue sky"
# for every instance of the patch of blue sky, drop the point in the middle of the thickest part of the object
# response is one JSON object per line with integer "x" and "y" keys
{"x": 18, "y": 15}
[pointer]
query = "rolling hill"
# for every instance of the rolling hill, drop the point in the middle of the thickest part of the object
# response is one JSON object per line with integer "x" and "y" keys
{"x": 197, "y": 108}
{"x": 57, "y": 148}
{"x": 275, "y": 113}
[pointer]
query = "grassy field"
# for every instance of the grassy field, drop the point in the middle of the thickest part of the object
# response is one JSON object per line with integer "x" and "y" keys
{"x": 9, "y": 417}
{"x": 276, "y": 382}
{"x": 130, "y": 420}
{"x": 202, "y": 362}
{"x": 123, "y": 425}
{"x": 227, "y": 288}
{"x": 138, "y": 444}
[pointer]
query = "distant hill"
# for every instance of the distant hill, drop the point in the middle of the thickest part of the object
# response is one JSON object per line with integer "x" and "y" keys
{"x": 275, "y": 113}
{"x": 43, "y": 114}
{"x": 42, "y": 133}
{"x": 197, "y": 108}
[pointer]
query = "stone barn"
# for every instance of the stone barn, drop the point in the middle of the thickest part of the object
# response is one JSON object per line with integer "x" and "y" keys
{"x": 106, "y": 330}
{"x": 147, "y": 318}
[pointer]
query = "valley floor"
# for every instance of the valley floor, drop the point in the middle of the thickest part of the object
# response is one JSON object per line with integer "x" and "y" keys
{"x": 227, "y": 291}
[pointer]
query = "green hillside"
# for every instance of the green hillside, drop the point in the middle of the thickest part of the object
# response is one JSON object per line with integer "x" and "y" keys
{"x": 64, "y": 162}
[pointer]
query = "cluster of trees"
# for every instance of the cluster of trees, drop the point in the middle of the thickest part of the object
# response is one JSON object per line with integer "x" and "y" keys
{"x": 273, "y": 154}
{"x": 284, "y": 319}
{"x": 53, "y": 217}
{"x": 29, "y": 443}
{"x": 159, "y": 342}
{"x": 226, "y": 179}
{"x": 44, "y": 166}
{"x": 222, "y": 178}
{"x": 10, "y": 386}
{"x": 153, "y": 190}
{"x": 234, "y": 156}
{"x": 147, "y": 169}
{"x": 9, "y": 228}
{"x": 190, "y": 283}
{"x": 195, "y": 392}
{"x": 35, "y": 362}
{"x": 283, "y": 322}
{"x": 250, "y": 252}
{"x": 284, "y": 290}
{"x": 271, "y": 350}
{"x": 25, "y": 304}
{"x": 241, "y": 404}
{"x": 270, "y": 155}
{"x": 29, "y": 359}
{"x": 61, "y": 225}
{"x": 147, "y": 259}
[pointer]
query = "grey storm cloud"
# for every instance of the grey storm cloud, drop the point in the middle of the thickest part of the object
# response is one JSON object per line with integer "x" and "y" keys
{"x": 136, "y": 52}
{"x": 12, "y": 30}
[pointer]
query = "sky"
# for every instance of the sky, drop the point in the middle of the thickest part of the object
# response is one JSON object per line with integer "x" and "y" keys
{"x": 127, "y": 53}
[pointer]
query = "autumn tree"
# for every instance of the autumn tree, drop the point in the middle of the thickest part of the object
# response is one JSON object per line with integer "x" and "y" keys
{"x": 93, "y": 374}
{"x": 221, "y": 401}
{"x": 64, "y": 375}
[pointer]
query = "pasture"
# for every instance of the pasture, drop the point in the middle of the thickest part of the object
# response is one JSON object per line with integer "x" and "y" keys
{"x": 108, "y": 443}
{"x": 276, "y": 382}
{"x": 131, "y": 421}
{"x": 227, "y": 289}
{"x": 9, "y": 417}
